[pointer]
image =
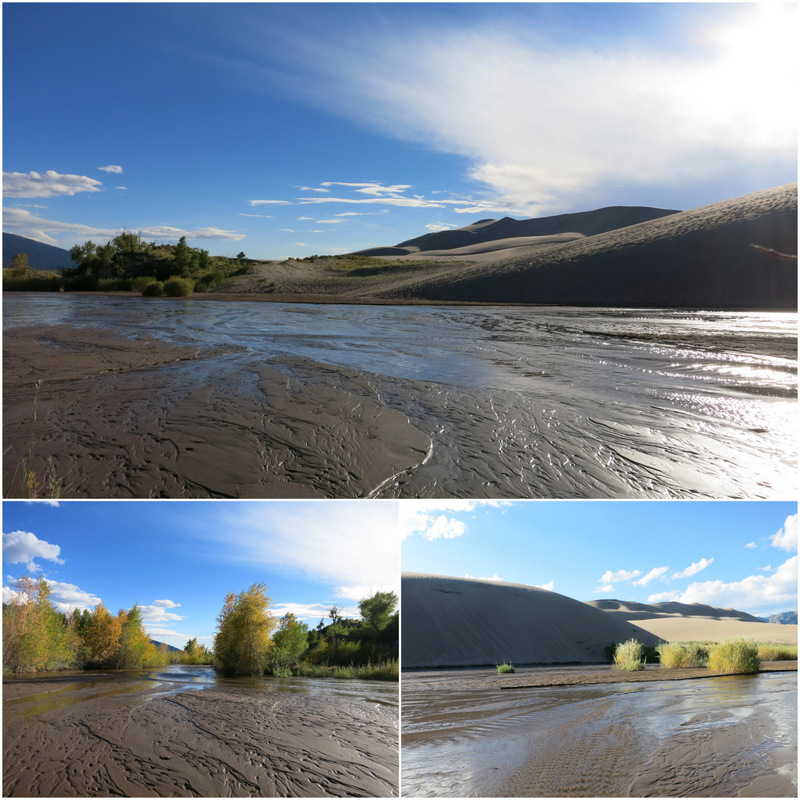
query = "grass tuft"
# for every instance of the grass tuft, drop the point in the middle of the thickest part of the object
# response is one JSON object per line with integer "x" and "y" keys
{"x": 777, "y": 652}
{"x": 735, "y": 655}
{"x": 681, "y": 655}
{"x": 503, "y": 669}
{"x": 629, "y": 656}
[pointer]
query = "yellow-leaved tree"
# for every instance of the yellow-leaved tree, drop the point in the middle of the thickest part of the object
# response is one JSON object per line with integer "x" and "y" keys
{"x": 242, "y": 642}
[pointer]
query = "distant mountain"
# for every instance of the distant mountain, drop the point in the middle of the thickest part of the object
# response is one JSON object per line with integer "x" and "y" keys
{"x": 786, "y": 618}
{"x": 170, "y": 648}
{"x": 40, "y": 256}
{"x": 585, "y": 223}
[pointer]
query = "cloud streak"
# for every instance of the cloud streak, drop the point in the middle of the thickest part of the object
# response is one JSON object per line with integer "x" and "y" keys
{"x": 47, "y": 184}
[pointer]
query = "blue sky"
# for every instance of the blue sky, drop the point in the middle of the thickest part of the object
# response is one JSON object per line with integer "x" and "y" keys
{"x": 178, "y": 559}
{"x": 288, "y": 129}
{"x": 738, "y": 554}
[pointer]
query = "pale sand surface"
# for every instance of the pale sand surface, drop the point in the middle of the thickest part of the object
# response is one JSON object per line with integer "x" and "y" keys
{"x": 450, "y": 622}
{"x": 135, "y": 741}
{"x": 704, "y": 629}
{"x": 141, "y": 418}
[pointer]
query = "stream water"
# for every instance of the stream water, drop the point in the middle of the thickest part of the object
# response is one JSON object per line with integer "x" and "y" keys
{"x": 715, "y": 737}
{"x": 517, "y": 402}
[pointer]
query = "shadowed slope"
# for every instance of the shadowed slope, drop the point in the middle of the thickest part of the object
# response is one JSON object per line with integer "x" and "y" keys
{"x": 455, "y": 622}
{"x": 694, "y": 259}
{"x": 630, "y": 610}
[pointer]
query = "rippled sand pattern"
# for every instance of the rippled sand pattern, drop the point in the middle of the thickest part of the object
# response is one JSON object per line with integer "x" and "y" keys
{"x": 718, "y": 737}
{"x": 219, "y": 742}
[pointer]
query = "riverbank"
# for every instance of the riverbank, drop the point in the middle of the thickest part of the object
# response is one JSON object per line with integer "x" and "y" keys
{"x": 68, "y": 737}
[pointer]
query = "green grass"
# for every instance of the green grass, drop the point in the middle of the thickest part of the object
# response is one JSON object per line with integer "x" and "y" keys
{"x": 735, "y": 655}
{"x": 502, "y": 669}
{"x": 682, "y": 655}
{"x": 383, "y": 671}
{"x": 629, "y": 656}
{"x": 777, "y": 652}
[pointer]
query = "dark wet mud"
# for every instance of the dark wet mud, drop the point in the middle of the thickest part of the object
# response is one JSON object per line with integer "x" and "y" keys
{"x": 717, "y": 737}
{"x": 139, "y": 737}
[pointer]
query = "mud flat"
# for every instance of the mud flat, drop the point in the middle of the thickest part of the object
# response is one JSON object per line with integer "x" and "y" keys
{"x": 719, "y": 737}
{"x": 78, "y": 737}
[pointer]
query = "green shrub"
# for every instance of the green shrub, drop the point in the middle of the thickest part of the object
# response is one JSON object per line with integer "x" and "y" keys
{"x": 629, "y": 656}
{"x": 777, "y": 652}
{"x": 140, "y": 283}
{"x": 153, "y": 289}
{"x": 681, "y": 655}
{"x": 178, "y": 287}
{"x": 736, "y": 655}
{"x": 505, "y": 668}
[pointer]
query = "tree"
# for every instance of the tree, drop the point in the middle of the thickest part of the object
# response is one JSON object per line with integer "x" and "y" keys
{"x": 243, "y": 639}
{"x": 376, "y": 610}
{"x": 135, "y": 649}
{"x": 102, "y": 638}
{"x": 19, "y": 265}
{"x": 289, "y": 644}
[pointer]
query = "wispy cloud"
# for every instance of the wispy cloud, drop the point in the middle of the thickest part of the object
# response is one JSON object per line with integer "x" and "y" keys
{"x": 115, "y": 168}
{"x": 27, "y": 224}
{"x": 693, "y": 568}
{"x": 46, "y": 184}
{"x": 23, "y": 547}
{"x": 654, "y": 574}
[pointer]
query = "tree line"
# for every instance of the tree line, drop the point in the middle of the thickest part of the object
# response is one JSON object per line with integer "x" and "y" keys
{"x": 128, "y": 263}
{"x": 250, "y": 639}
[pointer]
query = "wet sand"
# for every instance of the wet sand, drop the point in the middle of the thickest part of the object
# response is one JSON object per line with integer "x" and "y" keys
{"x": 144, "y": 418}
{"x": 73, "y": 737}
{"x": 720, "y": 737}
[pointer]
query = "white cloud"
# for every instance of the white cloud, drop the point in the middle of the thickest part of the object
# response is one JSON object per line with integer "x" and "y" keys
{"x": 64, "y": 596}
{"x": 656, "y": 572}
{"x": 43, "y": 502}
{"x": 693, "y": 568}
{"x": 494, "y": 577}
{"x": 158, "y": 613}
{"x": 49, "y": 184}
{"x": 115, "y": 168}
{"x": 22, "y": 547}
{"x": 269, "y": 202}
{"x": 620, "y": 575}
{"x": 429, "y": 518}
{"x": 44, "y": 230}
{"x": 605, "y": 588}
{"x": 756, "y": 594}
{"x": 439, "y": 226}
{"x": 574, "y": 118}
{"x": 122, "y": 188}
{"x": 750, "y": 546}
{"x": 256, "y": 216}
{"x": 342, "y": 544}
{"x": 329, "y": 221}
{"x": 549, "y": 586}
{"x": 786, "y": 537}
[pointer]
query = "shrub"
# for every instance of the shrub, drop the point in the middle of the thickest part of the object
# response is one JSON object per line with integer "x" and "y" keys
{"x": 629, "y": 656}
{"x": 140, "y": 283}
{"x": 153, "y": 289}
{"x": 736, "y": 655}
{"x": 505, "y": 668}
{"x": 681, "y": 655}
{"x": 178, "y": 287}
{"x": 777, "y": 652}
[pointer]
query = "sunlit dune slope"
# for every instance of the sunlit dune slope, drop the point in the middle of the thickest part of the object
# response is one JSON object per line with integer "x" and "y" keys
{"x": 696, "y": 622}
{"x": 702, "y": 258}
{"x": 453, "y": 622}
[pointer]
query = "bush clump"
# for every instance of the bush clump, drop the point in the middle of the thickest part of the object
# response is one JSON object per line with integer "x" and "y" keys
{"x": 503, "y": 669}
{"x": 178, "y": 287}
{"x": 682, "y": 655}
{"x": 736, "y": 655}
{"x": 153, "y": 289}
{"x": 629, "y": 656}
{"x": 777, "y": 652}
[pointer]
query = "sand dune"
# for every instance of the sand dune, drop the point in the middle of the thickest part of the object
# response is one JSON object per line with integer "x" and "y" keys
{"x": 702, "y": 258}
{"x": 696, "y": 622}
{"x": 467, "y": 622}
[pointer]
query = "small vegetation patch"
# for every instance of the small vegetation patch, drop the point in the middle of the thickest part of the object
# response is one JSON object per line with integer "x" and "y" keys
{"x": 629, "y": 656}
{"x": 682, "y": 655}
{"x": 178, "y": 287}
{"x": 503, "y": 669}
{"x": 736, "y": 655}
{"x": 777, "y": 652}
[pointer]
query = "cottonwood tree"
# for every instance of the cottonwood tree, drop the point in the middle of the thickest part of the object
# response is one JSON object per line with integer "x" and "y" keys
{"x": 376, "y": 610}
{"x": 245, "y": 624}
{"x": 289, "y": 643}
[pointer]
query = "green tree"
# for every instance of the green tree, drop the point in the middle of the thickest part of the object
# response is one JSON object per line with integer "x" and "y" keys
{"x": 289, "y": 643}
{"x": 102, "y": 638}
{"x": 183, "y": 258}
{"x": 245, "y": 623}
{"x": 376, "y": 610}
{"x": 19, "y": 265}
{"x": 134, "y": 649}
